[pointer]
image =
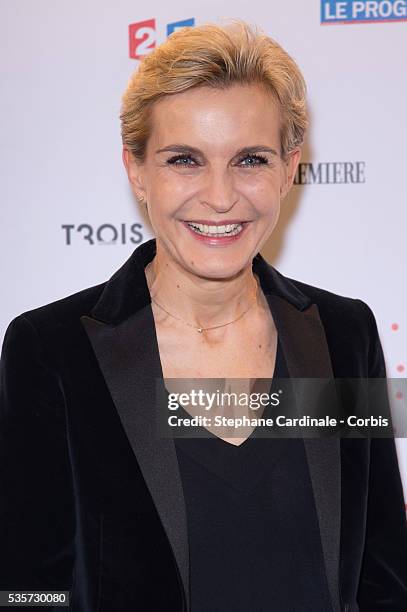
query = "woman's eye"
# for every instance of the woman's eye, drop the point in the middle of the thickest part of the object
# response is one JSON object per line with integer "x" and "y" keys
{"x": 255, "y": 160}
{"x": 180, "y": 160}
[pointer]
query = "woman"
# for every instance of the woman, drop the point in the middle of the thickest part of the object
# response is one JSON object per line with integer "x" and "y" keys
{"x": 93, "y": 500}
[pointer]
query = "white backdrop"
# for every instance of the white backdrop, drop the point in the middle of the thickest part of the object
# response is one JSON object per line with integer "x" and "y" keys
{"x": 64, "y": 67}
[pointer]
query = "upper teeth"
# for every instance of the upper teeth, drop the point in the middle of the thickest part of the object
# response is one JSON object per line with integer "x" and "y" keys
{"x": 216, "y": 229}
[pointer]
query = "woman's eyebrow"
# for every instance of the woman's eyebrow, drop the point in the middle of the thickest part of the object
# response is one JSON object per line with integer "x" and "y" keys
{"x": 183, "y": 148}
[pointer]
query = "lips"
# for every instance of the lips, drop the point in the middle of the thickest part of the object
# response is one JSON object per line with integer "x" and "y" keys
{"x": 216, "y": 234}
{"x": 211, "y": 222}
{"x": 228, "y": 229}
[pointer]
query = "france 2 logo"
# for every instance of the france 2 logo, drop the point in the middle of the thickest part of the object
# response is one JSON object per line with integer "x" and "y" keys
{"x": 143, "y": 35}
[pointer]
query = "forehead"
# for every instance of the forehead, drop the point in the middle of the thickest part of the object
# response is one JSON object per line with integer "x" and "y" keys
{"x": 220, "y": 118}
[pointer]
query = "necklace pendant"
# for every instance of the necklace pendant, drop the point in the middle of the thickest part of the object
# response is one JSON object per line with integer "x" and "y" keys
{"x": 200, "y": 330}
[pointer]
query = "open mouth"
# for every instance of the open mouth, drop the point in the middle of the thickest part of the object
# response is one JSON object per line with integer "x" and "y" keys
{"x": 217, "y": 231}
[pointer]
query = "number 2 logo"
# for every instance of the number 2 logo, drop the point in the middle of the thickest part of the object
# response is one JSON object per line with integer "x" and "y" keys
{"x": 143, "y": 35}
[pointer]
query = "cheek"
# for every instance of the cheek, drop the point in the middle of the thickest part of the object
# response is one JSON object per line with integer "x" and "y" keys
{"x": 168, "y": 190}
{"x": 267, "y": 205}
{"x": 265, "y": 198}
{"x": 260, "y": 185}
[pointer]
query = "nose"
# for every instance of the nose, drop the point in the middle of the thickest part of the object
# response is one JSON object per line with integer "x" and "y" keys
{"x": 219, "y": 192}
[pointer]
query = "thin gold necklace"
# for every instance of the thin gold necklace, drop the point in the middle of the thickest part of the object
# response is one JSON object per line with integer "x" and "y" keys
{"x": 201, "y": 329}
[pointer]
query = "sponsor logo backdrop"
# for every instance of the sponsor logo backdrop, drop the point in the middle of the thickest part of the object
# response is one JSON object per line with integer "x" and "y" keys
{"x": 68, "y": 219}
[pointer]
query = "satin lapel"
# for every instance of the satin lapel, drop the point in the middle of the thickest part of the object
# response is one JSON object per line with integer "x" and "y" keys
{"x": 306, "y": 350}
{"x": 128, "y": 356}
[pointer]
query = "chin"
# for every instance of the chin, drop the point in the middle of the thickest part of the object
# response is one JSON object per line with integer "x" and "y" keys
{"x": 219, "y": 270}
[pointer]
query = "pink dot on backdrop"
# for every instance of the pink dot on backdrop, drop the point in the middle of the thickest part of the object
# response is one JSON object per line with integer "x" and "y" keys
{"x": 394, "y": 326}
{"x": 400, "y": 368}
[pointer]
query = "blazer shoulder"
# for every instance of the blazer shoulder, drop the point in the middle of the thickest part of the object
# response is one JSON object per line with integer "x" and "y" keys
{"x": 339, "y": 311}
{"x": 333, "y": 304}
{"x": 64, "y": 312}
{"x": 349, "y": 322}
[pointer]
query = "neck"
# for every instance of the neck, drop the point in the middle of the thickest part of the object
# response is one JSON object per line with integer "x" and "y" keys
{"x": 202, "y": 302}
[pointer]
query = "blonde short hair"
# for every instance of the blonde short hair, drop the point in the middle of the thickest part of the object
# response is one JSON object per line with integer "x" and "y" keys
{"x": 214, "y": 56}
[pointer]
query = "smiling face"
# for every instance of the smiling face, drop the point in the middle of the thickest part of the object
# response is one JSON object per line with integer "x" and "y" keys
{"x": 213, "y": 159}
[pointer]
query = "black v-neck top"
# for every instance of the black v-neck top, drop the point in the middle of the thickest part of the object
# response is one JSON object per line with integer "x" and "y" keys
{"x": 253, "y": 533}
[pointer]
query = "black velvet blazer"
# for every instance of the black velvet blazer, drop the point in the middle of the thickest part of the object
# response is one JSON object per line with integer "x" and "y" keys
{"x": 91, "y": 499}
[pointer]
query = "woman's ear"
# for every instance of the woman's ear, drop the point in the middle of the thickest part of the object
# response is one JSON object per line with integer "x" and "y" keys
{"x": 291, "y": 165}
{"x": 135, "y": 174}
